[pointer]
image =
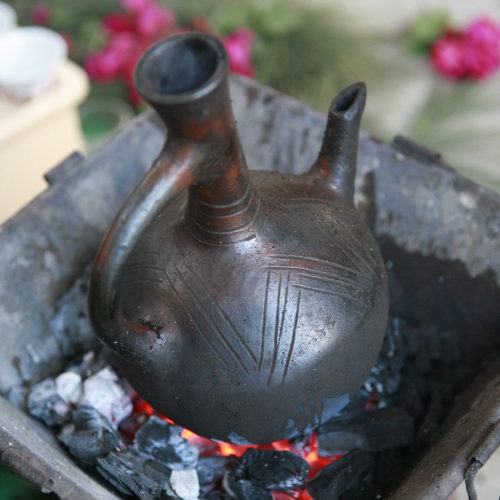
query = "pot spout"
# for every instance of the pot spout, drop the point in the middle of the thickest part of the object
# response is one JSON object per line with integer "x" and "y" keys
{"x": 336, "y": 162}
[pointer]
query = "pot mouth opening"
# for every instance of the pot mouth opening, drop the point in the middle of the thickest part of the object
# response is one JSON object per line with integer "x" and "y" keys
{"x": 180, "y": 68}
{"x": 345, "y": 102}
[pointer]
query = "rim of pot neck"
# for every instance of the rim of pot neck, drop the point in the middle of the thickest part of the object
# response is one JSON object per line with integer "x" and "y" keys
{"x": 181, "y": 69}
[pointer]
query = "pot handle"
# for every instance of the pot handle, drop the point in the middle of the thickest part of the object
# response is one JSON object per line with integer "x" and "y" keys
{"x": 174, "y": 170}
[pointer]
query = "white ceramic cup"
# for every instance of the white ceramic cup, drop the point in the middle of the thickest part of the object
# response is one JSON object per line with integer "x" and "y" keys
{"x": 8, "y": 17}
{"x": 29, "y": 60}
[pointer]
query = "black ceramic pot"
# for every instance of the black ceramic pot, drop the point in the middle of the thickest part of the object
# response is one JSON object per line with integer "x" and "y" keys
{"x": 246, "y": 306}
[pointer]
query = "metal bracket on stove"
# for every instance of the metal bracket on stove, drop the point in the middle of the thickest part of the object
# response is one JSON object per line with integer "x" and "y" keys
{"x": 482, "y": 452}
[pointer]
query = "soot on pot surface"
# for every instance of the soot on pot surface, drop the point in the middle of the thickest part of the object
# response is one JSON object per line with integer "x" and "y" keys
{"x": 357, "y": 455}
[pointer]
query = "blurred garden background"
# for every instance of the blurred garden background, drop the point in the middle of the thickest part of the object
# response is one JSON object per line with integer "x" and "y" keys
{"x": 431, "y": 67}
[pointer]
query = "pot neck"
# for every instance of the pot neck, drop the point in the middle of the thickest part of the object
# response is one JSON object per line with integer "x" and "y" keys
{"x": 222, "y": 203}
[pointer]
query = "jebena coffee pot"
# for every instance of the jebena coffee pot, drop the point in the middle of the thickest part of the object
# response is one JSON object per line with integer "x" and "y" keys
{"x": 246, "y": 306}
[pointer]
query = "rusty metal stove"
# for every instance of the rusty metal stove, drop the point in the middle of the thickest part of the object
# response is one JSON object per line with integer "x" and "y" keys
{"x": 439, "y": 232}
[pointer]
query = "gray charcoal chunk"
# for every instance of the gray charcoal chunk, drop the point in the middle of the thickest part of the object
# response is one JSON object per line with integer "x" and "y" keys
{"x": 341, "y": 479}
{"x": 451, "y": 353}
{"x": 371, "y": 430}
{"x": 385, "y": 376}
{"x": 46, "y": 404}
{"x": 133, "y": 472}
{"x": 243, "y": 489}
{"x": 431, "y": 420}
{"x": 408, "y": 397}
{"x": 272, "y": 470}
{"x": 215, "y": 495}
{"x": 211, "y": 469}
{"x": 164, "y": 442}
{"x": 70, "y": 324}
{"x": 18, "y": 396}
{"x": 89, "y": 436}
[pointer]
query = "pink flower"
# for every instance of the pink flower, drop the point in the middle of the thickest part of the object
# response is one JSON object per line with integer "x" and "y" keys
{"x": 118, "y": 22}
{"x": 154, "y": 18}
{"x": 40, "y": 14}
{"x": 108, "y": 63}
{"x": 239, "y": 47}
{"x": 122, "y": 44}
{"x": 484, "y": 32}
{"x": 482, "y": 51}
{"x": 481, "y": 62}
{"x": 473, "y": 53}
{"x": 135, "y": 5}
{"x": 447, "y": 55}
{"x": 102, "y": 66}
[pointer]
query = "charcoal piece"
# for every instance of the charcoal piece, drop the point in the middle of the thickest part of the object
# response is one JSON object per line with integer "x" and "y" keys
{"x": 164, "y": 442}
{"x": 357, "y": 402}
{"x": 272, "y": 470}
{"x": 89, "y": 436}
{"x": 413, "y": 339}
{"x": 431, "y": 420}
{"x": 70, "y": 325}
{"x": 435, "y": 342}
{"x": 346, "y": 478}
{"x": 69, "y": 387}
{"x": 243, "y": 489}
{"x": 90, "y": 363}
{"x": 385, "y": 376}
{"x": 45, "y": 403}
{"x": 409, "y": 397}
{"x": 451, "y": 351}
{"x": 423, "y": 361}
{"x": 183, "y": 484}
{"x": 390, "y": 468}
{"x": 216, "y": 495}
{"x": 133, "y": 472}
{"x": 18, "y": 396}
{"x": 211, "y": 469}
{"x": 130, "y": 425}
{"x": 104, "y": 392}
{"x": 371, "y": 430}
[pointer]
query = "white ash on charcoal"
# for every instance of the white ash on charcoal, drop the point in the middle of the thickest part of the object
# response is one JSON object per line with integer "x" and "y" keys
{"x": 89, "y": 436}
{"x": 270, "y": 470}
{"x": 104, "y": 392}
{"x": 69, "y": 387}
{"x": 183, "y": 484}
{"x": 52, "y": 400}
{"x": 348, "y": 478}
{"x": 371, "y": 430}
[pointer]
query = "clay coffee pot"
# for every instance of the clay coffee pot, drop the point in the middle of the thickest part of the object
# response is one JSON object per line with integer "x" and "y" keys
{"x": 246, "y": 306}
